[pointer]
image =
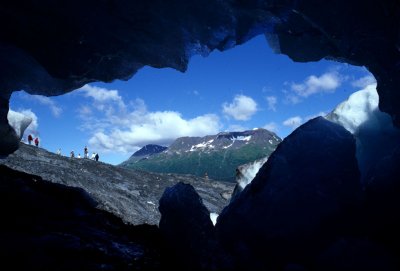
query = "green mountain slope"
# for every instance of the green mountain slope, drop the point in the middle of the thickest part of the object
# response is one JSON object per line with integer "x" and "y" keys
{"x": 218, "y": 156}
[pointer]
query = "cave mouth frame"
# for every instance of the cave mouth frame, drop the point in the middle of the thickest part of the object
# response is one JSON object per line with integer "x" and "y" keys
{"x": 280, "y": 85}
{"x": 54, "y": 52}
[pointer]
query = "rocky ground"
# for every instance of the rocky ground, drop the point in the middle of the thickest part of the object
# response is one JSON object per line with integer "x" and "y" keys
{"x": 130, "y": 195}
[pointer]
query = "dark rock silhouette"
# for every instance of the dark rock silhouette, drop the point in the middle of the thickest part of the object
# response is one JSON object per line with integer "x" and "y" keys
{"x": 189, "y": 232}
{"x": 298, "y": 203}
{"x": 47, "y": 226}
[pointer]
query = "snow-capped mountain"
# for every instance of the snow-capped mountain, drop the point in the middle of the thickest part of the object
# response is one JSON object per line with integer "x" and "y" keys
{"x": 216, "y": 156}
{"x": 223, "y": 141}
{"x": 146, "y": 152}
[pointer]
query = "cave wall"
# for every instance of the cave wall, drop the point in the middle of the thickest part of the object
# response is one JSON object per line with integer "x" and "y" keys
{"x": 50, "y": 48}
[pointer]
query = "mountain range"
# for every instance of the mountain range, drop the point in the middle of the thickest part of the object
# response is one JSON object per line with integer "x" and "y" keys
{"x": 214, "y": 156}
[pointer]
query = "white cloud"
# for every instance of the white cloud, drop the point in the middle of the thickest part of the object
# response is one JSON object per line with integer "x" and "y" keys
{"x": 296, "y": 121}
{"x": 55, "y": 109}
{"x": 241, "y": 108}
{"x": 293, "y": 122}
{"x": 271, "y": 100}
{"x": 102, "y": 97}
{"x": 363, "y": 82}
{"x": 117, "y": 127}
{"x": 141, "y": 128}
{"x": 272, "y": 126}
{"x": 328, "y": 82}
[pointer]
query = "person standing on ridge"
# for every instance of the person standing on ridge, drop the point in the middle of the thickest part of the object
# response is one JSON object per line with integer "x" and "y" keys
{"x": 93, "y": 156}
{"x": 59, "y": 151}
{"x": 72, "y": 154}
{"x": 37, "y": 142}
{"x": 85, "y": 152}
{"x": 30, "y": 138}
{"x": 96, "y": 157}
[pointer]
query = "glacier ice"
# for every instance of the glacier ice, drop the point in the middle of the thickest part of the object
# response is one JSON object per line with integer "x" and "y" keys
{"x": 376, "y": 136}
{"x": 248, "y": 172}
{"x": 19, "y": 122}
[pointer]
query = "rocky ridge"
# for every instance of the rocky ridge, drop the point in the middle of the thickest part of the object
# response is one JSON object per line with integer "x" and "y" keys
{"x": 129, "y": 194}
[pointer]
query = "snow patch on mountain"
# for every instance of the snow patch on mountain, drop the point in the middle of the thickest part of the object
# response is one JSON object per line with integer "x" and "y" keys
{"x": 228, "y": 146}
{"x": 203, "y": 145}
{"x": 244, "y": 138}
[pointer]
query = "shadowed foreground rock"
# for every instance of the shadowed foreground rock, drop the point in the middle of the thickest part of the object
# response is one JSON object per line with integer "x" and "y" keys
{"x": 189, "y": 232}
{"x": 48, "y": 226}
{"x": 299, "y": 202}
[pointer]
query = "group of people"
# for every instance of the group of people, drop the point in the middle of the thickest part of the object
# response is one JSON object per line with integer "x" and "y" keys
{"x": 30, "y": 140}
{"x": 95, "y": 156}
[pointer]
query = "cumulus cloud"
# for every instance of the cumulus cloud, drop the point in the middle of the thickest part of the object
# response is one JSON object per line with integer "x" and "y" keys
{"x": 102, "y": 97}
{"x": 119, "y": 127}
{"x": 271, "y": 100}
{"x": 55, "y": 109}
{"x": 293, "y": 122}
{"x": 161, "y": 127}
{"x": 296, "y": 121}
{"x": 241, "y": 108}
{"x": 363, "y": 82}
{"x": 328, "y": 82}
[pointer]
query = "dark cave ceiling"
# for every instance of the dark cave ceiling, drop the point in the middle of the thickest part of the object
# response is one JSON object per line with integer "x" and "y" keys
{"x": 53, "y": 47}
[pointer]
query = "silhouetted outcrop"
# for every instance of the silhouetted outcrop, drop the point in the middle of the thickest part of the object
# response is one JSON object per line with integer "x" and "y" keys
{"x": 188, "y": 230}
{"x": 300, "y": 201}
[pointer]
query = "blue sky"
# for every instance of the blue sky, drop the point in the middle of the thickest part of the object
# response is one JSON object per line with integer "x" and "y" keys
{"x": 246, "y": 87}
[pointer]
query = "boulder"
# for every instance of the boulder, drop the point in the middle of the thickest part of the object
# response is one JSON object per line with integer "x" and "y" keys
{"x": 304, "y": 196}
